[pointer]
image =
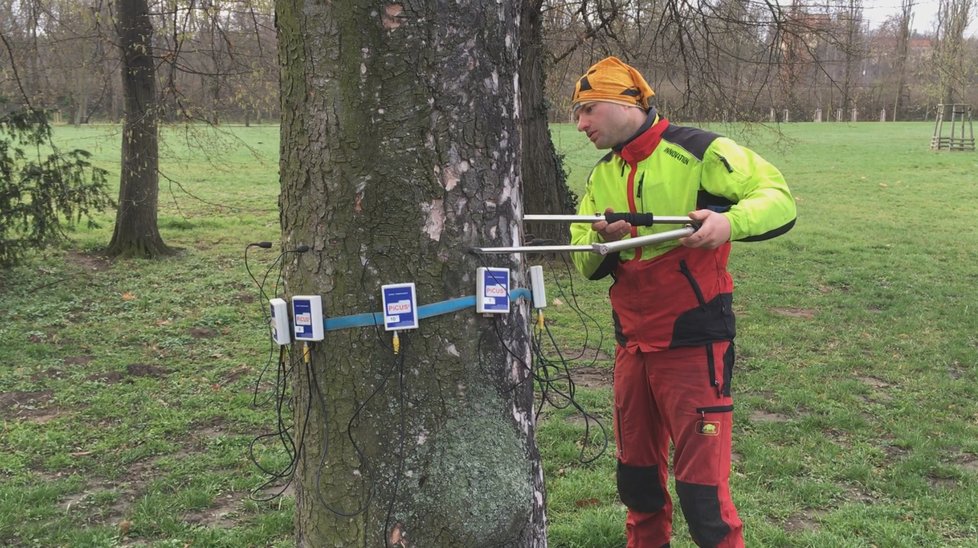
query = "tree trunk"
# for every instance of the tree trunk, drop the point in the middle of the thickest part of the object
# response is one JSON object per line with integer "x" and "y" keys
{"x": 903, "y": 49}
{"x": 544, "y": 181}
{"x": 400, "y": 151}
{"x": 136, "y": 232}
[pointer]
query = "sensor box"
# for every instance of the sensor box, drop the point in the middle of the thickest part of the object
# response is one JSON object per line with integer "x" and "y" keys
{"x": 279, "y": 321}
{"x": 307, "y": 317}
{"x": 537, "y": 290}
{"x": 492, "y": 290}
{"x": 400, "y": 306}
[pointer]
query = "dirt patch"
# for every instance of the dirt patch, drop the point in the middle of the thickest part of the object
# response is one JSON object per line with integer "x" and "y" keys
{"x": 583, "y": 355}
{"x": 237, "y": 373}
{"x": 143, "y": 370}
{"x": 118, "y": 496}
{"x": 856, "y": 495}
{"x": 873, "y": 382}
{"x": 801, "y": 522}
{"x": 223, "y": 513}
{"x": 969, "y": 462}
{"x": 942, "y": 484}
{"x": 592, "y": 377}
{"x": 244, "y": 298}
{"x": 28, "y": 406}
{"x": 893, "y": 452}
{"x": 78, "y": 360}
{"x": 956, "y": 370}
{"x": 94, "y": 263}
{"x": 108, "y": 377}
{"x": 274, "y": 491}
{"x": 49, "y": 373}
{"x": 203, "y": 333}
{"x": 18, "y": 400}
{"x": 804, "y": 313}
{"x": 764, "y": 416}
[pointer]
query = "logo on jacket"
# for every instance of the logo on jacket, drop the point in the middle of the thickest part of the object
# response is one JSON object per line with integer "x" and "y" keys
{"x": 678, "y": 156}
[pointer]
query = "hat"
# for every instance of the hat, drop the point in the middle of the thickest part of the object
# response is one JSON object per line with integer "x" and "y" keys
{"x": 610, "y": 80}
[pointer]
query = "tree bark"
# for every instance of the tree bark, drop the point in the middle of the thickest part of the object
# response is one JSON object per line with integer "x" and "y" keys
{"x": 136, "y": 233}
{"x": 400, "y": 151}
{"x": 545, "y": 183}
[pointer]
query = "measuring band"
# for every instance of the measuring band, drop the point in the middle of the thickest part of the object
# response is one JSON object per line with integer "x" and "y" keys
{"x": 425, "y": 311}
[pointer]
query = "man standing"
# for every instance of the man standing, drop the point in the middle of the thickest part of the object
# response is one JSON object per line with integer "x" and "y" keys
{"x": 671, "y": 302}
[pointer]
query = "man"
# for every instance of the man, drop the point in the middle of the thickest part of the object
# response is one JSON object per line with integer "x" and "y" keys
{"x": 671, "y": 302}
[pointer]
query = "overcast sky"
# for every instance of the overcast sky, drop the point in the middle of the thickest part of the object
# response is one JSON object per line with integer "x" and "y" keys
{"x": 924, "y": 14}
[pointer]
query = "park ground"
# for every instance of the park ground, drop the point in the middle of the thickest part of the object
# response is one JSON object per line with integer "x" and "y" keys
{"x": 127, "y": 388}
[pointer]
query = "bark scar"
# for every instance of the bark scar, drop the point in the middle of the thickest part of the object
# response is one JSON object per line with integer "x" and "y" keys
{"x": 392, "y": 16}
{"x": 397, "y": 537}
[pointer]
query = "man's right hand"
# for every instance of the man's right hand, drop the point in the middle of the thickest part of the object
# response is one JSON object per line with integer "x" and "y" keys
{"x": 613, "y": 231}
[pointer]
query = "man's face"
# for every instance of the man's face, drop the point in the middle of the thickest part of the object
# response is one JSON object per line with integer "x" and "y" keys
{"x": 606, "y": 124}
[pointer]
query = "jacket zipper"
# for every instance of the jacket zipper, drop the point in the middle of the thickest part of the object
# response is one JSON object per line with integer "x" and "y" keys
{"x": 632, "y": 168}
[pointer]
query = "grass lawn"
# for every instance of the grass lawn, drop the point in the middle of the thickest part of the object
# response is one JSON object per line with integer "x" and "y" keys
{"x": 126, "y": 388}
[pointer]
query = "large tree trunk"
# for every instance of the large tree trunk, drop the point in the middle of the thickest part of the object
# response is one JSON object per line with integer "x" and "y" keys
{"x": 544, "y": 181}
{"x": 400, "y": 151}
{"x": 136, "y": 232}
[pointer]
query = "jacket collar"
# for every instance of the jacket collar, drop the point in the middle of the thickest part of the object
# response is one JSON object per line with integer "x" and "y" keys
{"x": 640, "y": 146}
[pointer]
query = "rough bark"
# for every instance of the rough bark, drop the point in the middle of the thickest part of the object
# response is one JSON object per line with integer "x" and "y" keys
{"x": 544, "y": 181}
{"x": 136, "y": 233}
{"x": 400, "y": 151}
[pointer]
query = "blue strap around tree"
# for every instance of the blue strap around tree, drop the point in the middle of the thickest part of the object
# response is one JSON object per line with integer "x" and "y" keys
{"x": 425, "y": 311}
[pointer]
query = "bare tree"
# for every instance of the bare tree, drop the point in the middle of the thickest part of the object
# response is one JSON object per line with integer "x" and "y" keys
{"x": 136, "y": 233}
{"x": 401, "y": 150}
{"x": 953, "y": 17}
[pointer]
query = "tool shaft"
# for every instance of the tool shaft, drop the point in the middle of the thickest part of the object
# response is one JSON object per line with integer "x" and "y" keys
{"x": 601, "y": 248}
{"x": 636, "y": 219}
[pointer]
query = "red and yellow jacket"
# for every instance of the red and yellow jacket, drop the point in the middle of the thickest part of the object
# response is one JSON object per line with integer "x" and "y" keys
{"x": 666, "y": 295}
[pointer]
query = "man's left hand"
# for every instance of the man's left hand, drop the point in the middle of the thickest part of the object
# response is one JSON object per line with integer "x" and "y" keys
{"x": 714, "y": 230}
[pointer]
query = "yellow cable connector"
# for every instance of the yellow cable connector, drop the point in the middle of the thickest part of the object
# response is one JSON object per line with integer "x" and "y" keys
{"x": 305, "y": 352}
{"x": 540, "y": 319}
{"x": 396, "y": 343}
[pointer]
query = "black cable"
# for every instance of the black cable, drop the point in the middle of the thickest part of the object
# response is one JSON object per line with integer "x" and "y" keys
{"x": 402, "y": 436}
{"x": 282, "y": 403}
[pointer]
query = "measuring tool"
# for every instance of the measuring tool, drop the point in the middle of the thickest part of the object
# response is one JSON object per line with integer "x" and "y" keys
{"x": 602, "y": 248}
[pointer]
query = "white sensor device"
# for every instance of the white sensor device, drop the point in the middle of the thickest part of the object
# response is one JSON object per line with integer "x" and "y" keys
{"x": 537, "y": 289}
{"x": 280, "y": 321}
{"x": 492, "y": 290}
{"x": 307, "y": 317}
{"x": 400, "y": 306}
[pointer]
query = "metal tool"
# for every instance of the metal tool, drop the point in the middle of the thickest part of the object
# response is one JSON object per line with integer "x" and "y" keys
{"x": 634, "y": 219}
{"x": 601, "y": 248}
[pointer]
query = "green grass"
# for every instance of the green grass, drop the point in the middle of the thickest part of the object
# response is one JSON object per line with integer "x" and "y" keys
{"x": 126, "y": 387}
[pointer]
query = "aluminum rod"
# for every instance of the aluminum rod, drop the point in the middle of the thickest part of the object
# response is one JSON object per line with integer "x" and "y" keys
{"x": 598, "y": 217}
{"x": 533, "y": 249}
{"x": 601, "y": 248}
{"x": 605, "y": 248}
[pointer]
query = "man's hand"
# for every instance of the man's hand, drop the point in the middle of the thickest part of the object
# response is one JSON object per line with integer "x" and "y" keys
{"x": 714, "y": 230}
{"x": 611, "y": 232}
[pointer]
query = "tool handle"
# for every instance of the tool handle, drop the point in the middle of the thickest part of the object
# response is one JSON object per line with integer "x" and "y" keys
{"x": 634, "y": 219}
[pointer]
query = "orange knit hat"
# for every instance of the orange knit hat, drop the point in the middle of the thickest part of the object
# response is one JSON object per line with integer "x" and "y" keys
{"x": 612, "y": 81}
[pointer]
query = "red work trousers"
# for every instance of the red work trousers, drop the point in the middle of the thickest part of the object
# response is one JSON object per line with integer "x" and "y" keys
{"x": 668, "y": 395}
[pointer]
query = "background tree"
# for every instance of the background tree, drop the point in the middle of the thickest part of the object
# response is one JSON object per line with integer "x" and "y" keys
{"x": 43, "y": 192}
{"x": 136, "y": 232}
{"x": 544, "y": 180}
{"x": 902, "y": 21}
{"x": 953, "y": 18}
{"x": 400, "y": 150}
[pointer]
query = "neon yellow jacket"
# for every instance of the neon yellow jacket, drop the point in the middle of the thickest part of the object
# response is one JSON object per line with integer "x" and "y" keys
{"x": 670, "y": 170}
